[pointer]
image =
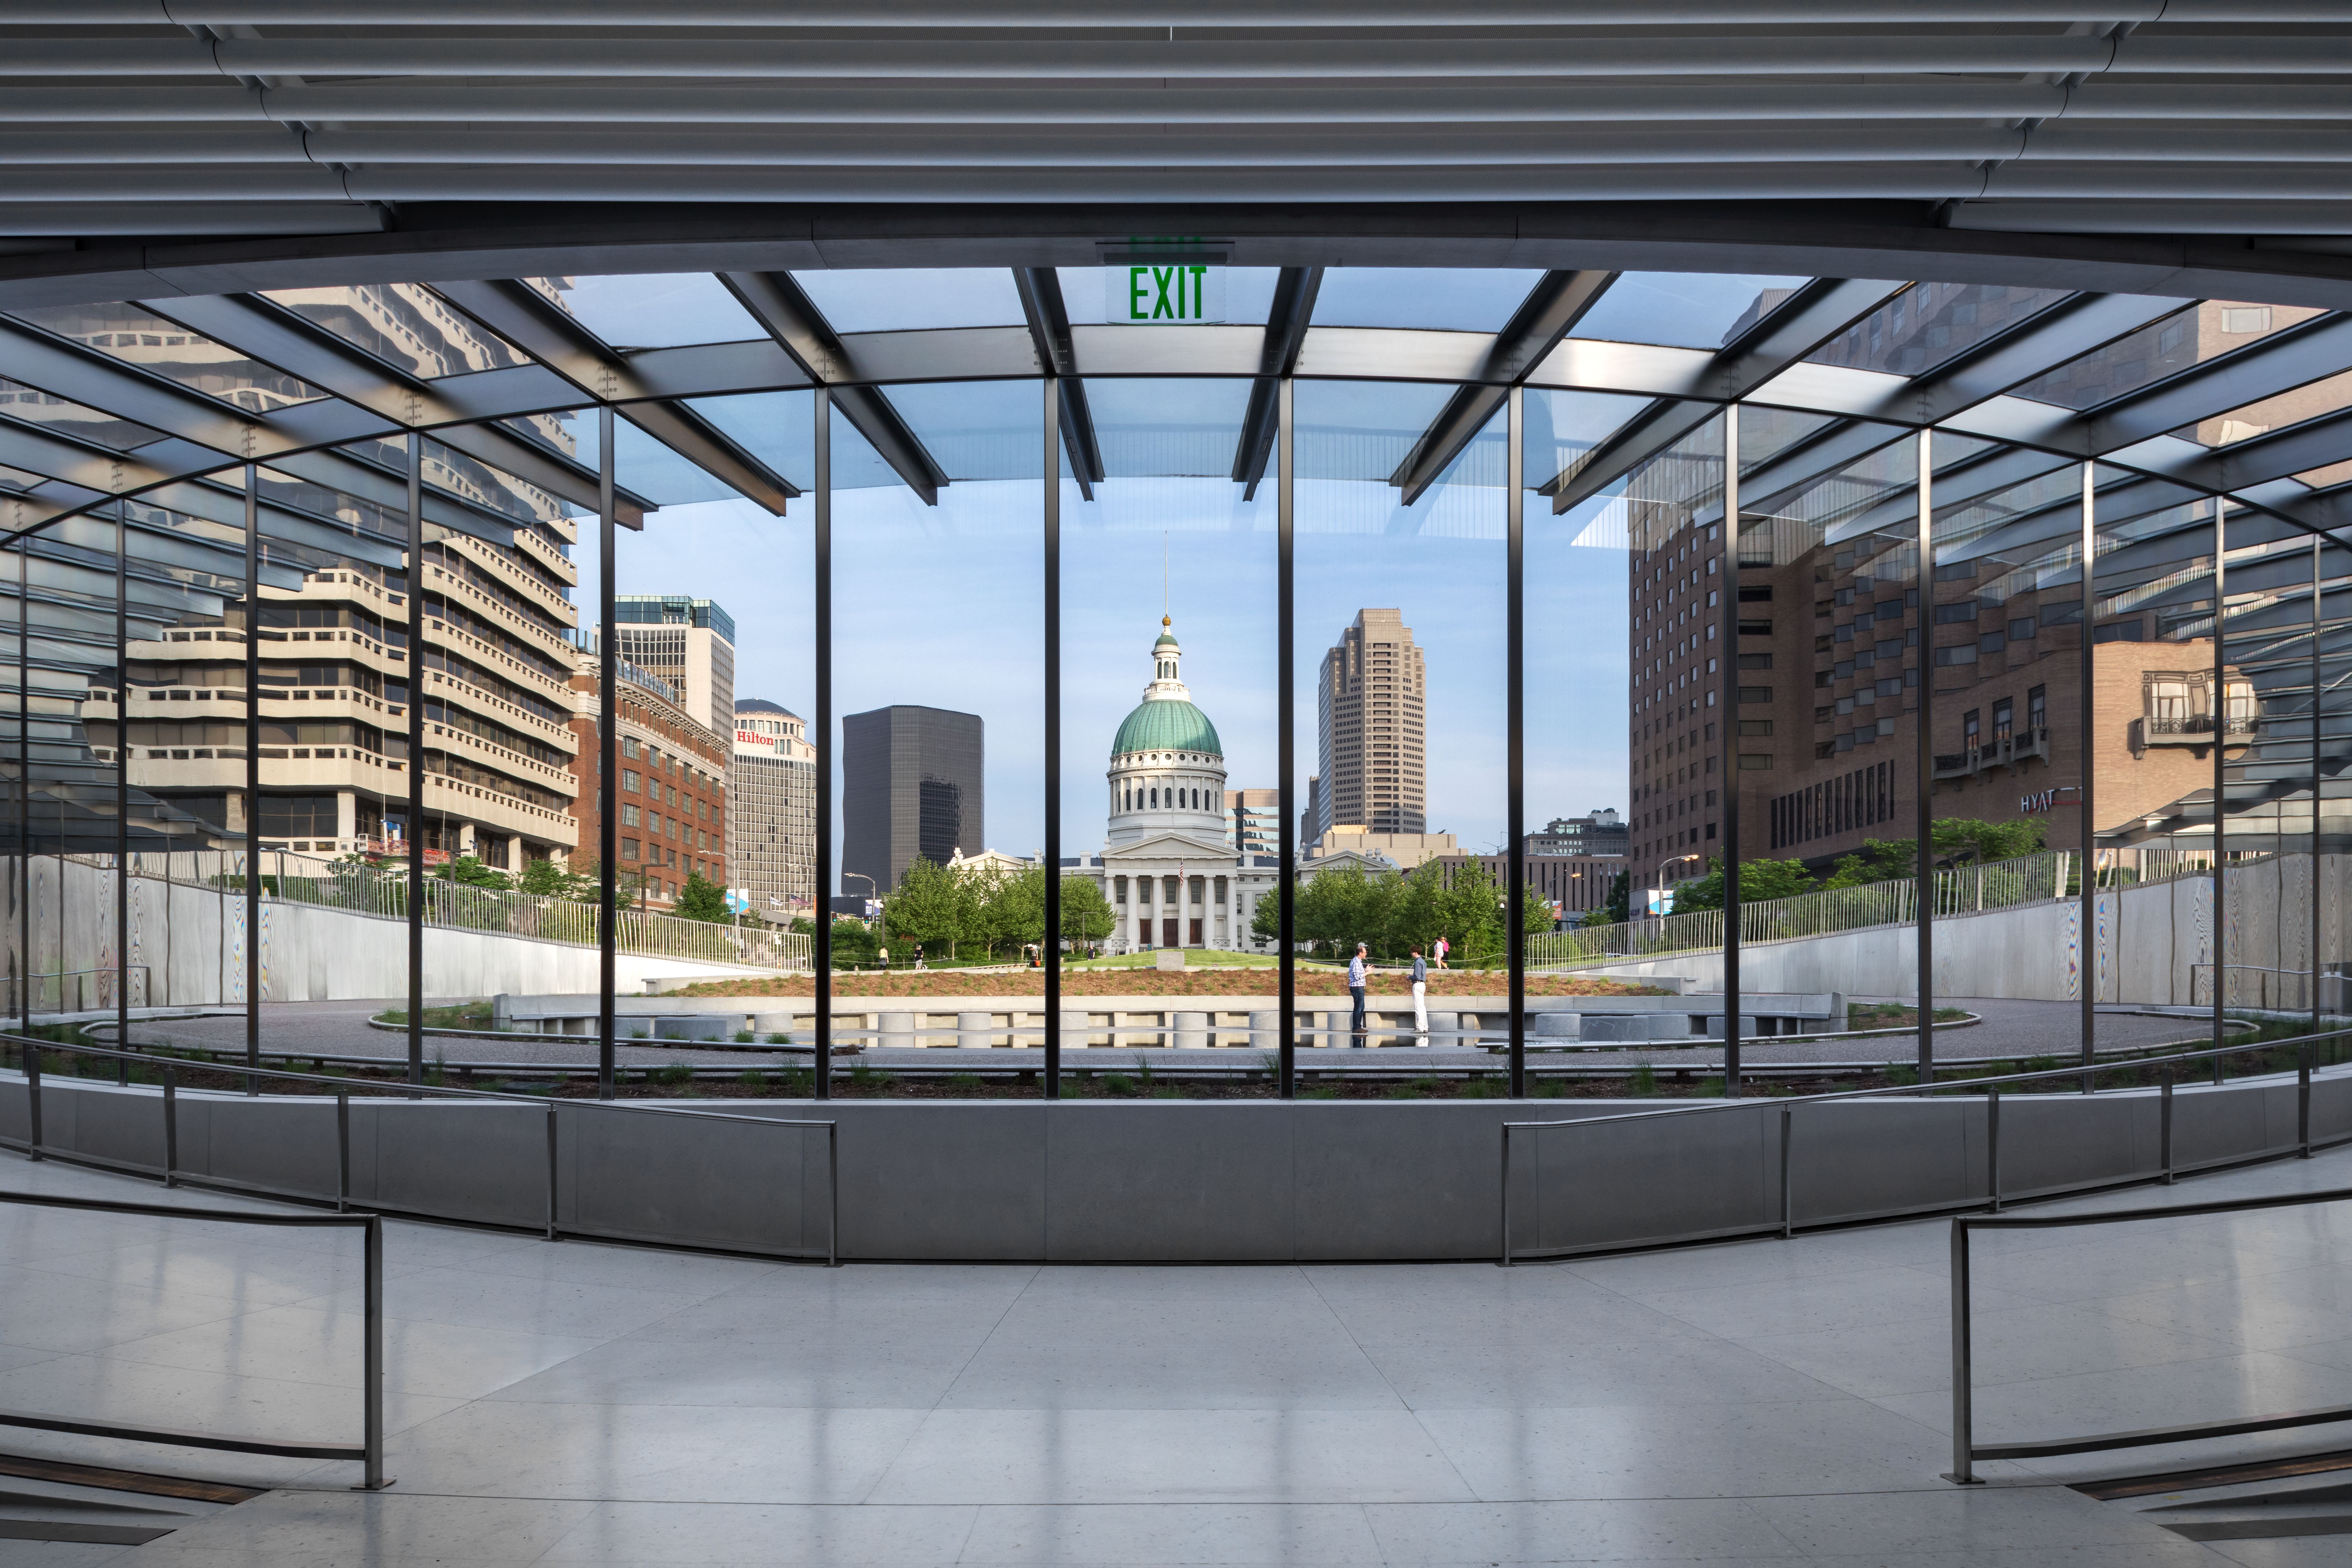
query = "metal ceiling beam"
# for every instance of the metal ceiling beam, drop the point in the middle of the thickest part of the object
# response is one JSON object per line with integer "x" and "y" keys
{"x": 1286, "y": 319}
{"x": 411, "y": 101}
{"x": 1549, "y": 312}
{"x": 664, "y": 51}
{"x": 1805, "y": 320}
{"x": 542, "y": 329}
{"x": 1049, "y": 331}
{"x": 799, "y": 329}
{"x": 2065, "y": 332}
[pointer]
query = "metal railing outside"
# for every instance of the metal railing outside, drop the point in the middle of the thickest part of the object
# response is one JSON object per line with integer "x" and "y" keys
{"x": 28, "y": 1060}
{"x": 368, "y": 1451}
{"x": 1967, "y": 1450}
{"x": 1990, "y": 1087}
{"x": 2265, "y": 988}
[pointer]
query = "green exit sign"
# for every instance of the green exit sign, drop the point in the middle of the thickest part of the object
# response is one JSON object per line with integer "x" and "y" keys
{"x": 1156, "y": 295}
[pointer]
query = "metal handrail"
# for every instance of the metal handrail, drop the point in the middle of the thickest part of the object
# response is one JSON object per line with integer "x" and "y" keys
{"x": 1966, "y": 1450}
{"x": 368, "y": 1451}
{"x": 1788, "y": 1106}
{"x": 30, "y": 1050}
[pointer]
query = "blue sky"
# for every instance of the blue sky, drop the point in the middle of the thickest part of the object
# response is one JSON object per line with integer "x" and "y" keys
{"x": 943, "y": 605}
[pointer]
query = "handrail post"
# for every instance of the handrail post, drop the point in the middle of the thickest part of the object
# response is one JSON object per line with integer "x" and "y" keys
{"x": 171, "y": 1127}
{"x": 32, "y": 1055}
{"x": 372, "y": 1360}
{"x": 2303, "y": 1100}
{"x": 1992, "y": 1144}
{"x": 342, "y": 1151}
{"x": 832, "y": 1190}
{"x": 1963, "y": 1372}
{"x": 1788, "y": 1136}
{"x": 551, "y": 1168}
{"x": 1505, "y": 1260}
{"x": 2164, "y": 1128}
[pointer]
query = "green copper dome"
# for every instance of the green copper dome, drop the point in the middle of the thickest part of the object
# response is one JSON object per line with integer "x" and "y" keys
{"x": 1167, "y": 725}
{"x": 1166, "y": 639}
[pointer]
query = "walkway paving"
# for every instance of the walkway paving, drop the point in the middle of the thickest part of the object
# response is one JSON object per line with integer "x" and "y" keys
{"x": 1763, "y": 1402}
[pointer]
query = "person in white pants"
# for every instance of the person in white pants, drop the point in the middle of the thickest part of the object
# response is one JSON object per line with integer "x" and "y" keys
{"x": 1419, "y": 999}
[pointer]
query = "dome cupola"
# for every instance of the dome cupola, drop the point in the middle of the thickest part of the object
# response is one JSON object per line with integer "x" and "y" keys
{"x": 1167, "y": 765}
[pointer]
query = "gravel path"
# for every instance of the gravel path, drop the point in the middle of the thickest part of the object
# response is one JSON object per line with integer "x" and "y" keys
{"x": 2010, "y": 1030}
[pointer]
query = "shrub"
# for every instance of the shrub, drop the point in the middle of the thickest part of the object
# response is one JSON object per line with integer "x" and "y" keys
{"x": 744, "y": 1037}
{"x": 673, "y": 1074}
{"x": 755, "y": 1080}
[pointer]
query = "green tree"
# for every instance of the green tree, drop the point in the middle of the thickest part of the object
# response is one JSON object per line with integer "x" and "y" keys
{"x": 929, "y": 906}
{"x": 550, "y": 878}
{"x": 1618, "y": 907}
{"x": 467, "y": 871}
{"x": 702, "y": 900}
{"x": 1758, "y": 879}
{"x": 1006, "y": 910}
{"x": 1470, "y": 915}
{"x": 1087, "y": 915}
{"x": 1965, "y": 841}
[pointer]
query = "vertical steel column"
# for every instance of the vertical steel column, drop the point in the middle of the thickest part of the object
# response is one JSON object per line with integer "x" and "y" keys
{"x": 2220, "y": 766}
{"x": 2318, "y": 780}
{"x": 416, "y": 758}
{"x": 1728, "y": 683}
{"x": 372, "y": 1357}
{"x": 122, "y": 788}
{"x": 1924, "y": 823}
{"x": 1285, "y": 720}
{"x": 1964, "y": 1435}
{"x": 253, "y": 776}
{"x": 1516, "y": 725}
{"x": 821, "y": 927}
{"x": 608, "y": 758}
{"x": 1051, "y": 954}
{"x": 24, "y": 786}
{"x": 2087, "y": 940}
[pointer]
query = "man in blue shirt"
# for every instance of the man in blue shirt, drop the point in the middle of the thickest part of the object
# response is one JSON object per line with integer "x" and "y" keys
{"x": 1355, "y": 993}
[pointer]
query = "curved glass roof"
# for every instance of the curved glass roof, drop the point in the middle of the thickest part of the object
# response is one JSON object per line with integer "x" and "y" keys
{"x": 157, "y": 398}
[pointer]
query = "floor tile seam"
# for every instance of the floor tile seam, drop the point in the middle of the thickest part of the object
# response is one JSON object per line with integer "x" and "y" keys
{"x": 882, "y": 1472}
{"x": 1369, "y": 1361}
{"x": 391, "y": 1386}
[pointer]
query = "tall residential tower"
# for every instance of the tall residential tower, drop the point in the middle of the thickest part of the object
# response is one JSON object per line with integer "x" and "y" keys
{"x": 1371, "y": 706}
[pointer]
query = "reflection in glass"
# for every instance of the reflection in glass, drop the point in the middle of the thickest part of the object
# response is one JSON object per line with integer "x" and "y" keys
{"x": 659, "y": 311}
{"x": 1684, "y": 309}
{"x": 404, "y": 324}
{"x": 1927, "y": 323}
{"x": 130, "y": 335}
{"x": 1448, "y": 299}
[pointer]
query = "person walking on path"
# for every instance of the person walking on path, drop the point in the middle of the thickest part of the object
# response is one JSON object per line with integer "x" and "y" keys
{"x": 1444, "y": 947}
{"x": 1419, "y": 999}
{"x": 1356, "y": 994}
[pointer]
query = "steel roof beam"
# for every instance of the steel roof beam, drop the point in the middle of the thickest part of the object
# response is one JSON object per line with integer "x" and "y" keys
{"x": 1548, "y": 313}
{"x": 542, "y": 329}
{"x": 1287, "y": 317}
{"x": 1049, "y": 331}
{"x": 799, "y": 329}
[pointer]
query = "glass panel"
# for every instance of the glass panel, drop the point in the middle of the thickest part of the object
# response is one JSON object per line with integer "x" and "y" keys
{"x": 2200, "y": 332}
{"x": 403, "y": 324}
{"x": 654, "y": 311}
{"x": 2331, "y": 394}
{"x": 1927, "y": 323}
{"x": 1171, "y": 799}
{"x": 1452, "y": 299}
{"x": 939, "y": 684}
{"x": 65, "y": 418}
{"x": 1577, "y": 672}
{"x": 1684, "y": 309}
{"x": 904, "y": 299}
{"x": 1402, "y": 739}
{"x": 130, "y": 335}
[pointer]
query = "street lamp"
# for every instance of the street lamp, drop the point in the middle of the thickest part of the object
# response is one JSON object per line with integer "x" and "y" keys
{"x": 873, "y": 893}
{"x": 1662, "y": 872}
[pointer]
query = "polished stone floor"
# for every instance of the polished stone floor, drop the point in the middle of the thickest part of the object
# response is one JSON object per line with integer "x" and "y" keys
{"x": 1760, "y": 1402}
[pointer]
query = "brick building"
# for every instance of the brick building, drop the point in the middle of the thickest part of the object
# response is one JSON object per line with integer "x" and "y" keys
{"x": 673, "y": 784}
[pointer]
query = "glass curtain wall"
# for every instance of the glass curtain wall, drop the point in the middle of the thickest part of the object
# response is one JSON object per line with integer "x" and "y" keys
{"x": 1170, "y": 797}
{"x": 1401, "y": 662}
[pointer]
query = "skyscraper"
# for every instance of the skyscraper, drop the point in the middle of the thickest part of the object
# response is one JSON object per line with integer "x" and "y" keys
{"x": 690, "y": 642}
{"x": 910, "y": 785}
{"x": 771, "y": 810}
{"x": 1370, "y": 709}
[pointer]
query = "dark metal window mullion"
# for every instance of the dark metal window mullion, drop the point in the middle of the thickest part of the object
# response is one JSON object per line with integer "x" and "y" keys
{"x": 416, "y": 758}
{"x": 608, "y": 753}
{"x": 121, "y": 787}
{"x": 252, "y": 775}
{"x": 821, "y": 924}
{"x": 1729, "y": 686}
{"x": 1286, "y": 719}
{"x": 1924, "y": 825}
{"x": 1052, "y": 522}
{"x": 1515, "y": 682}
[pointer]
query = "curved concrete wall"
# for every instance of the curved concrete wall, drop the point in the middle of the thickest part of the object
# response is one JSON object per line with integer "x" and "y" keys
{"x": 1096, "y": 1180}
